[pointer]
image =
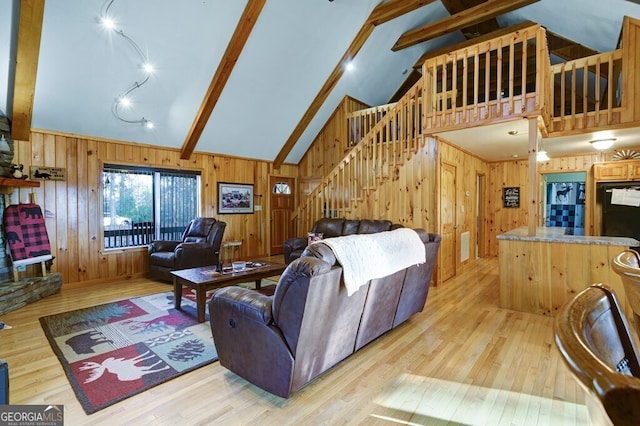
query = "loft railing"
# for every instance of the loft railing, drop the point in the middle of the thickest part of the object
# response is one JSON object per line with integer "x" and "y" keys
{"x": 502, "y": 77}
{"x": 391, "y": 140}
{"x": 587, "y": 92}
{"x": 360, "y": 122}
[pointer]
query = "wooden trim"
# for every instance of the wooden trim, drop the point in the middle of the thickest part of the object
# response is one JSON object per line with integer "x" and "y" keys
{"x": 474, "y": 15}
{"x": 240, "y": 36}
{"x": 29, "y": 33}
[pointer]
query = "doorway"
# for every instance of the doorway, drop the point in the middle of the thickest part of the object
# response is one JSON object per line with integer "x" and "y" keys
{"x": 282, "y": 201}
{"x": 564, "y": 196}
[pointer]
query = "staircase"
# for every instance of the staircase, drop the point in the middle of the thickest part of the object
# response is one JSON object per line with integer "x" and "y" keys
{"x": 392, "y": 140}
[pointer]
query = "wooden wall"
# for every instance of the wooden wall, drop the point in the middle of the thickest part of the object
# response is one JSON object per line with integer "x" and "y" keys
{"x": 74, "y": 207}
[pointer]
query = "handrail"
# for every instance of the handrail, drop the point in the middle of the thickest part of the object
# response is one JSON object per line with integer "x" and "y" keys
{"x": 586, "y": 92}
{"x": 360, "y": 122}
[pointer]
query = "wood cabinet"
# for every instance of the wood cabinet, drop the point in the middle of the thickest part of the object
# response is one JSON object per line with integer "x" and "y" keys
{"x": 625, "y": 170}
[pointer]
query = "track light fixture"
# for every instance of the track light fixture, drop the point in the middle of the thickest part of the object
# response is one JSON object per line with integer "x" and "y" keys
{"x": 123, "y": 101}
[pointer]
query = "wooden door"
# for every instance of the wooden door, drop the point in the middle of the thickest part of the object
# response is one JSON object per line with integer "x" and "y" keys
{"x": 448, "y": 221}
{"x": 282, "y": 206}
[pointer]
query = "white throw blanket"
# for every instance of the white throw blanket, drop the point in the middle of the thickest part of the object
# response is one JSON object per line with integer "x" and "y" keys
{"x": 367, "y": 256}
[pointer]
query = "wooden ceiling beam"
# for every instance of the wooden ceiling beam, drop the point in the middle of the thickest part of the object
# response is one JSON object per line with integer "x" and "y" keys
{"x": 240, "y": 36}
{"x": 471, "y": 16}
{"x": 393, "y": 9}
{"x": 382, "y": 13}
{"x": 29, "y": 33}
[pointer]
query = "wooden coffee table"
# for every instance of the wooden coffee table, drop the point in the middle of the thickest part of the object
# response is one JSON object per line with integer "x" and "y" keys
{"x": 206, "y": 278}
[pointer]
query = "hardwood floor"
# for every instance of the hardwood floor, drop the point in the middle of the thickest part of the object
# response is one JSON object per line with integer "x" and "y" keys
{"x": 463, "y": 360}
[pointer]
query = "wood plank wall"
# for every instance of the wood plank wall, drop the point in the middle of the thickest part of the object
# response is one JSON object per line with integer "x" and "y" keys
{"x": 74, "y": 207}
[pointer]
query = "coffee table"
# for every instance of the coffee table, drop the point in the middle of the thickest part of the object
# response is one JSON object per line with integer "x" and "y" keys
{"x": 207, "y": 278}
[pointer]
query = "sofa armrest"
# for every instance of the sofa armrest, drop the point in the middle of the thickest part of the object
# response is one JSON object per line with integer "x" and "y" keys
{"x": 295, "y": 243}
{"x": 163, "y": 245}
{"x": 247, "y": 341}
{"x": 247, "y": 303}
{"x": 292, "y": 245}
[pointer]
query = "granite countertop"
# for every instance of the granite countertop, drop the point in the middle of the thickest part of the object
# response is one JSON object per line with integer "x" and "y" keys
{"x": 562, "y": 235}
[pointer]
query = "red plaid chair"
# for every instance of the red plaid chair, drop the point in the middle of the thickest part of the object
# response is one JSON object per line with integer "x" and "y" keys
{"x": 26, "y": 234}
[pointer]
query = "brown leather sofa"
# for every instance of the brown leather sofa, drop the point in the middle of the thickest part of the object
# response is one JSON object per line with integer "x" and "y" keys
{"x": 199, "y": 246}
{"x": 328, "y": 227}
{"x": 282, "y": 342}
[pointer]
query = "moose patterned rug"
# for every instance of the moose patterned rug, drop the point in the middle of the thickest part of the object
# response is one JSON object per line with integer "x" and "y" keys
{"x": 113, "y": 351}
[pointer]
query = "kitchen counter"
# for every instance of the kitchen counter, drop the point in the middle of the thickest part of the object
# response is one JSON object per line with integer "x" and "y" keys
{"x": 560, "y": 235}
{"x": 540, "y": 273}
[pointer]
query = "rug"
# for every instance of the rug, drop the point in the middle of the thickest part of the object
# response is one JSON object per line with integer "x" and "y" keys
{"x": 113, "y": 351}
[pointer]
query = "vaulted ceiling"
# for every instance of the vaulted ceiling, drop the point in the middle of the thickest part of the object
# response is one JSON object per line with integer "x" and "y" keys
{"x": 252, "y": 78}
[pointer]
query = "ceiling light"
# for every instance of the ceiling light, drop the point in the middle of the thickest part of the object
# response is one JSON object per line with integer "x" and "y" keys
{"x": 542, "y": 156}
{"x": 148, "y": 68}
{"x": 108, "y": 23}
{"x": 602, "y": 144}
{"x": 349, "y": 66}
{"x": 512, "y": 132}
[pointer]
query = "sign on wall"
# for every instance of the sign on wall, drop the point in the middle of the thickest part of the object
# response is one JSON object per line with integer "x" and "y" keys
{"x": 511, "y": 196}
{"x": 47, "y": 173}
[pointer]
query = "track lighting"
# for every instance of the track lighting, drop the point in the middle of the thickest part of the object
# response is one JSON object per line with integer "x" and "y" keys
{"x": 123, "y": 100}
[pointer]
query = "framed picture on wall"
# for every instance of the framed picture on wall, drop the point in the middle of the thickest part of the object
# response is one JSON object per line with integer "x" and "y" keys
{"x": 511, "y": 196}
{"x": 235, "y": 198}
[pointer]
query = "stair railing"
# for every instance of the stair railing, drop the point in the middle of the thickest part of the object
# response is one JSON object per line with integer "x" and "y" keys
{"x": 392, "y": 140}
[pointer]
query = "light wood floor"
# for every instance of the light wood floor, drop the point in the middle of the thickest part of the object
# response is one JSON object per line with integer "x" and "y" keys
{"x": 463, "y": 360}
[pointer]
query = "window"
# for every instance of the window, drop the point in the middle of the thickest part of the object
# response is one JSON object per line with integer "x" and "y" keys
{"x": 142, "y": 204}
{"x": 282, "y": 188}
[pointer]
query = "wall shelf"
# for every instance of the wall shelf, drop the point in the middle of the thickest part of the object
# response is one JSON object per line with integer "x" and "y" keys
{"x": 8, "y": 184}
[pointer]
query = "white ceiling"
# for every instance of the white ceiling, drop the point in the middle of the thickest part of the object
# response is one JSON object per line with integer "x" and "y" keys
{"x": 289, "y": 55}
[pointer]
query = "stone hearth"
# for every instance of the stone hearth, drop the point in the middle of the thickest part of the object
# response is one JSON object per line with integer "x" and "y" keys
{"x": 14, "y": 295}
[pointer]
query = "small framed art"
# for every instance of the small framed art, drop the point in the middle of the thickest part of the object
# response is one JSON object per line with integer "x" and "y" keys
{"x": 235, "y": 198}
{"x": 511, "y": 196}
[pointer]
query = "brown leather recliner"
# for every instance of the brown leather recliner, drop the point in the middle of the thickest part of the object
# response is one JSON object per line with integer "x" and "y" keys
{"x": 199, "y": 246}
{"x": 334, "y": 227}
